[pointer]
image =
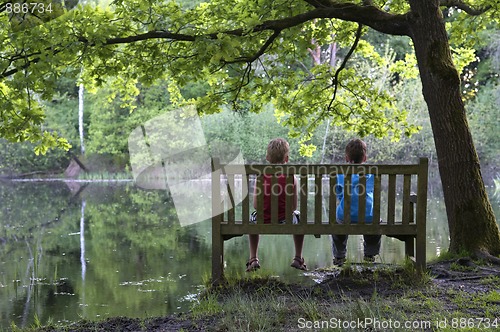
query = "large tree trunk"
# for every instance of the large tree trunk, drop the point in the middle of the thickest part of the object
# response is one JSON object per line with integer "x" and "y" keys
{"x": 471, "y": 219}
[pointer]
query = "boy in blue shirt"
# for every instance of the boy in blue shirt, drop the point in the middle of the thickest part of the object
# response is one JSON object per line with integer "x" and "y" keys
{"x": 355, "y": 153}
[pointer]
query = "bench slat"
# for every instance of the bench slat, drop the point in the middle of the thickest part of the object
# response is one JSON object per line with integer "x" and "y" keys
{"x": 406, "y": 199}
{"x": 318, "y": 198}
{"x": 347, "y": 199}
{"x": 303, "y": 198}
{"x": 413, "y": 203}
{"x": 275, "y": 191}
{"x": 312, "y": 229}
{"x": 376, "y": 199}
{"x": 230, "y": 194}
{"x": 260, "y": 199}
{"x": 289, "y": 198}
{"x": 217, "y": 203}
{"x": 245, "y": 192}
{"x": 391, "y": 199}
{"x": 362, "y": 199}
{"x": 332, "y": 208}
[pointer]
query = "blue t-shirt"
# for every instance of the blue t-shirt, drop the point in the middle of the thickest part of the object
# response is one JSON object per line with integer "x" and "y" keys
{"x": 356, "y": 192}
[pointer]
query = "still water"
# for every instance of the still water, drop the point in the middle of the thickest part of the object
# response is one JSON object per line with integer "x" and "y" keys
{"x": 71, "y": 251}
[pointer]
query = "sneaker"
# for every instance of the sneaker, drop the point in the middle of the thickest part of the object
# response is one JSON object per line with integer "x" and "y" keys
{"x": 338, "y": 261}
{"x": 369, "y": 259}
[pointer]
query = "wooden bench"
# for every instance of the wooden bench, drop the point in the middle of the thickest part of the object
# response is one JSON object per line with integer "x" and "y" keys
{"x": 397, "y": 212}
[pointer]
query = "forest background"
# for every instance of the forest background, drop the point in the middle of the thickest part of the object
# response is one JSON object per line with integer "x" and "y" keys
{"x": 108, "y": 119}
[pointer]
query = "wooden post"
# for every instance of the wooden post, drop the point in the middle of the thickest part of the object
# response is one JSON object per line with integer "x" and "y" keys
{"x": 217, "y": 214}
{"x": 422, "y": 213}
{"x": 410, "y": 246}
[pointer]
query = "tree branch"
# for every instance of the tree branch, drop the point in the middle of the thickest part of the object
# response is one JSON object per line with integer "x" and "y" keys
{"x": 344, "y": 63}
{"x": 366, "y": 15}
{"x": 261, "y": 51}
{"x": 465, "y": 7}
{"x": 27, "y": 64}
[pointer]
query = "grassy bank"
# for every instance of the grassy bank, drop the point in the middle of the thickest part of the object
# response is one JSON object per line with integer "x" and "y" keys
{"x": 451, "y": 294}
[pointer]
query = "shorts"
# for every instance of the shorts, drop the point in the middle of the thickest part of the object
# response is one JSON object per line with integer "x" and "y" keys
{"x": 295, "y": 218}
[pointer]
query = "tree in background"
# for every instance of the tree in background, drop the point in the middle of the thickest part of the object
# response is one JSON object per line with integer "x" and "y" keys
{"x": 254, "y": 52}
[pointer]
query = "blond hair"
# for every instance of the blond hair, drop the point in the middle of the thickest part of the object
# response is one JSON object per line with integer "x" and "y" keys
{"x": 277, "y": 150}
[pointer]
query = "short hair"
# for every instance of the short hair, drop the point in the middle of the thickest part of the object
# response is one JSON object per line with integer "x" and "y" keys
{"x": 277, "y": 150}
{"x": 355, "y": 150}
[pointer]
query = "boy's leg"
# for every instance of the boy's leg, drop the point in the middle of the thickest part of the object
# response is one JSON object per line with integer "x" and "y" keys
{"x": 253, "y": 261}
{"x": 253, "y": 241}
{"x": 371, "y": 245}
{"x": 339, "y": 245}
{"x": 298, "y": 261}
{"x": 298, "y": 241}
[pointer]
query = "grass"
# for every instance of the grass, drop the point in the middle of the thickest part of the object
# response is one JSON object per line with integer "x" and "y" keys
{"x": 262, "y": 303}
{"x": 491, "y": 280}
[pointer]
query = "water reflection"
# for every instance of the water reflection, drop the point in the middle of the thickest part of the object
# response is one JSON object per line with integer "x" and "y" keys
{"x": 100, "y": 250}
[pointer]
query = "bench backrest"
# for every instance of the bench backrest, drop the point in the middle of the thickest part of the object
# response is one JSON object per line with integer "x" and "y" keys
{"x": 393, "y": 196}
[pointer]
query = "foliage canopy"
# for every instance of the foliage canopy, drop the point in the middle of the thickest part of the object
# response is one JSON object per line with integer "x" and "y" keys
{"x": 249, "y": 52}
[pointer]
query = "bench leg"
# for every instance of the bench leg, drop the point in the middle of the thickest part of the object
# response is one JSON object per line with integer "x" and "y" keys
{"x": 217, "y": 257}
{"x": 421, "y": 252}
{"x": 410, "y": 247}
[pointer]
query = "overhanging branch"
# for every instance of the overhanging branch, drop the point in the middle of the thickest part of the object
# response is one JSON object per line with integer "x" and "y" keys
{"x": 343, "y": 65}
{"x": 260, "y": 52}
{"x": 465, "y": 7}
{"x": 364, "y": 14}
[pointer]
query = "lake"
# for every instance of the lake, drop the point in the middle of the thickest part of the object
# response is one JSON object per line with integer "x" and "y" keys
{"x": 76, "y": 250}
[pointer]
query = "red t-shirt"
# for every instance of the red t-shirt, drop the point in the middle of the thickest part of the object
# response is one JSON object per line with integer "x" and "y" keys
{"x": 278, "y": 189}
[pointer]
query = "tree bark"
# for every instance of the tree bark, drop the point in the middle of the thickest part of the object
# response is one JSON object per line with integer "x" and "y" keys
{"x": 471, "y": 220}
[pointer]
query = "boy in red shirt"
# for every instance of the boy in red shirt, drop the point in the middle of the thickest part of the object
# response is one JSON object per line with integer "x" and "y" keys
{"x": 277, "y": 153}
